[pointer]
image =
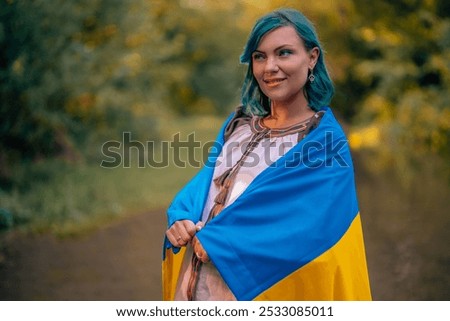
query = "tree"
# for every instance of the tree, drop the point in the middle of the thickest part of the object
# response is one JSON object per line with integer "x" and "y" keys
{"x": 74, "y": 70}
{"x": 401, "y": 52}
{"x": 49, "y": 73}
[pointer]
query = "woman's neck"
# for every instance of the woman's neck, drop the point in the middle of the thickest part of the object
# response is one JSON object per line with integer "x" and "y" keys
{"x": 284, "y": 115}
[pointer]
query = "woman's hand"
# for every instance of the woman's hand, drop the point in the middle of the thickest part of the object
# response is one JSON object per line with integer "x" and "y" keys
{"x": 181, "y": 232}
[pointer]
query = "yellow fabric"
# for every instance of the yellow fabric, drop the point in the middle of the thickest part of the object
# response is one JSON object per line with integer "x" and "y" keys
{"x": 338, "y": 274}
{"x": 171, "y": 267}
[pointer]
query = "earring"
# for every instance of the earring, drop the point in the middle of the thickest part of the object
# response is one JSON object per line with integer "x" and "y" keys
{"x": 311, "y": 76}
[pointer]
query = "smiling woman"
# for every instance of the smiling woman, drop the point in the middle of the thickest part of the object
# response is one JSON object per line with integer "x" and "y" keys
{"x": 276, "y": 216}
{"x": 318, "y": 95}
{"x": 280, "y": 65}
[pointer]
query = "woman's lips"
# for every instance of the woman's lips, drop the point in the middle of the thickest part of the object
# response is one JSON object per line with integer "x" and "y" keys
{"x": 273, "y": 82}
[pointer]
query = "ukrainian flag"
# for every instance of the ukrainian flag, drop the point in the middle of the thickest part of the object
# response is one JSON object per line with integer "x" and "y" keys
{"x": 294, "y": 234}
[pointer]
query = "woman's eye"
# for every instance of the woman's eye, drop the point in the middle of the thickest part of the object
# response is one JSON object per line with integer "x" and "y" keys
{"x": 285, "y": 52}
{"x": 258, "y": 56}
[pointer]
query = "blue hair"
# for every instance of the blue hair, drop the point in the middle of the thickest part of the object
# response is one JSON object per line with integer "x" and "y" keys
{"x": 318, "y": 93}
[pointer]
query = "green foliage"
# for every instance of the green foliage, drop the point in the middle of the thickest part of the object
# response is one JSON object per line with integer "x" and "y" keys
{"x": 75, "y": 74}
{"x": 52, "y": 195}
{"x": 401, "y": 57}
{"x": 59, "y": 66}
{"x": 6, "y": 219}
{"x": 199, "y": 69}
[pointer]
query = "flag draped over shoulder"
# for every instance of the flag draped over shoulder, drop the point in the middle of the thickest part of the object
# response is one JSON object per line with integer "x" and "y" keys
{"x": 294, "y": 233}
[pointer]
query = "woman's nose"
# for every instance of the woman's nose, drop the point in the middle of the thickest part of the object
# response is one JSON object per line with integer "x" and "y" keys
{"x": 271, "y": 65}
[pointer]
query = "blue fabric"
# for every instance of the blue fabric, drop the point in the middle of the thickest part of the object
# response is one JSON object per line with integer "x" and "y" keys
{"x": 189, "y": 202}
{"x": 291, "y": 213}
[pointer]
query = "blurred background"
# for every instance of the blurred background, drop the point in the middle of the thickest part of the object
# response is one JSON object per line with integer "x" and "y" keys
{"x": 75, "y": 74}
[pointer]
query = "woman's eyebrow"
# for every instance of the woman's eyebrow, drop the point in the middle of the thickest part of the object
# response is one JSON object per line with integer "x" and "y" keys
{"x": 276, "y": 49}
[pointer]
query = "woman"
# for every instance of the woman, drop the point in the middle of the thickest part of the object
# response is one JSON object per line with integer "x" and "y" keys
{"x": 275, "y": 217}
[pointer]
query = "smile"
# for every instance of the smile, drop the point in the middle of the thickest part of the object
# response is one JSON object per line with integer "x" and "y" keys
{"x": 273, "y": 82}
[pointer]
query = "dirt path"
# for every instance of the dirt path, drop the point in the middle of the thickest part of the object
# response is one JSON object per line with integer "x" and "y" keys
{"x": 122, "y": 261}
{"x": 118, "y": 262}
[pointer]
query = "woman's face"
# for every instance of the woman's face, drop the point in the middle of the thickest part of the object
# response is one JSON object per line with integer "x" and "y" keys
{"x": 281, "y": 63}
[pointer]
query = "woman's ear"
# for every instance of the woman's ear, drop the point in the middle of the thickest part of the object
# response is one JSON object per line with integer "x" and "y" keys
{"x": 313, "y": 56}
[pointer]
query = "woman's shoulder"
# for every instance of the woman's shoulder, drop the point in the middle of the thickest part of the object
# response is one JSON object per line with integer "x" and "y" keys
{"x": 237, "y": 119}
{"x": 329, "y": 122}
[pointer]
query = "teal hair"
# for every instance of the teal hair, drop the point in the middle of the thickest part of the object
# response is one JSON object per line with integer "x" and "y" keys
{"x": 318, "y": 93}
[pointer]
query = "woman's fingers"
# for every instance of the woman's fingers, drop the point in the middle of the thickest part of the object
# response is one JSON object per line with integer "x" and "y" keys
{"x": 181, "y": 232}
{"x": 173, "y": 237}
{"x": 190, "y": 228}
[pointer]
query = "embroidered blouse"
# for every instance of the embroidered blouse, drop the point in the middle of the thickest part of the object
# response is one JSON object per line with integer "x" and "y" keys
{"x": 250, "y": 148}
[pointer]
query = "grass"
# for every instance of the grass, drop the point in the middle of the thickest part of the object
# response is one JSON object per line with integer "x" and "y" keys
{"x": 66, "y": 199}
